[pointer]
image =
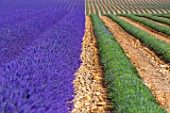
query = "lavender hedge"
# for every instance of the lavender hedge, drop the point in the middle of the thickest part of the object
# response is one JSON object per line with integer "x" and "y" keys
{"x": 39, "y": 55}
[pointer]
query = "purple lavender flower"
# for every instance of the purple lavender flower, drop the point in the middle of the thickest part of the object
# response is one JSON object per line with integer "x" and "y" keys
{"x": 40, "y": 47}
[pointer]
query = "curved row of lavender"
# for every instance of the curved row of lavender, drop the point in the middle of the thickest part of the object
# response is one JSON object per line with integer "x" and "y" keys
{"x": 40, "y": 45}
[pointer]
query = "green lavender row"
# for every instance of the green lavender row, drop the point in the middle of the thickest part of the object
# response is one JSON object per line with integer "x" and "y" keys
{"x": 160, "y": 47}
{"x": 127, "y": 91}
{"x": 150, "y": 24}
{"x": 87, "y": 9}
{"x": 156, "y": 18}
{"x": 163, "y": 15}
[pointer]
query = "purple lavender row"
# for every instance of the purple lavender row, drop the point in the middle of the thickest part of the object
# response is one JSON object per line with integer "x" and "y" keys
{"x": 40, "y": 79}
{"x": 17, "y": 37}
{"x": 9, "y": 5}
{"x": 17, "y": 15}
{"x": 47, "y": 50}
{"x": 20, "y": 5}
{"x": 13, "y": 19}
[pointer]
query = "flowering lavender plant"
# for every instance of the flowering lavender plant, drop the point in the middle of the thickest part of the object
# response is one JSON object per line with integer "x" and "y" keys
{"x": 40, "y": 47}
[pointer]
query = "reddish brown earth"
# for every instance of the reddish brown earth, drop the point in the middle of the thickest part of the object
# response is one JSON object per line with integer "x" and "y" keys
{"x": 153, "y": 71}
{"x": 94, "y": 10}
{"x": 158, "y": 35}
{"x": 106, "y": 7}
{"x": 98, "y": 10}
{"x": 137, "y": 5}
{"x": 89, "y": 8}
{"x": 102, "y": 8}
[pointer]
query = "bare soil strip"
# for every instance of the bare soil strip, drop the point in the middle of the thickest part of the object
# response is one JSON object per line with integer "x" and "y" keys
{"x": 94, "y": 10}
{"x": 122, "y": 9}
{"x": 148, "y": 11}
{"x": 101, "y": 7}
{"x": 128, "y": 10}
{"x": 138, "y": 11}
{"x": 141, "y": 10}
{"x": 164, "y": 11}
{"x": 139, "y": 5}
{"x": 153, "y": 71}
{"x": 114, "y": 5}
{"x": 156, "y": 22}
{"x": 131, "y": 10}
{"x": 90, "y": 95}
{"x": 112, "y": 8}
{"x": 106, "y": 7}
{"x": 118, "y": 10}
{"x": 160, "y": 36}
{"x": 132, "y": 2}
{"x": 98, "y": 9}
{"x": 158, "y": 11}
{"x": 154, "y": 11}
{"x": 89, "y": 8}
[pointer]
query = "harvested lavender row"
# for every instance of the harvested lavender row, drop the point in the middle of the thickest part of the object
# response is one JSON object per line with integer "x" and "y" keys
{"x": 39, "y": 77}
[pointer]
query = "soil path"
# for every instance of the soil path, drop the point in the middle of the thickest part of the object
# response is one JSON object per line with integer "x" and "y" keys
{"x": 89, "y": 8}
{"x": 90, "y": 95}
{"x": 101, "y": 7}
{"x": 156, "y": 22}
{"x": 153, "y": 71}
{"x": 160, "y": 36}
{"x": 106, "y": 7}
{"x": 117, "y": 8}
{"x": 94, "y": 10}
{"x": 122, "y": 9}
{"x": 98, "y": 9}
{"x": 114, "y": 5}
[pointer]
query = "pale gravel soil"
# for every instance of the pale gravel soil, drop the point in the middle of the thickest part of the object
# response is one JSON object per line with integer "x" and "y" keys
{"x": 153, "y": 71}
{"x": 90, "y": 94}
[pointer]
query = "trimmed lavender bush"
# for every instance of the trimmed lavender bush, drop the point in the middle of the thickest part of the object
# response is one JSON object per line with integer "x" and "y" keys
{"x": 39, "y": 56}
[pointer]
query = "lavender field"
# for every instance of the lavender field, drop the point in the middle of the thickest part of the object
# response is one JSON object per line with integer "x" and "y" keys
{"x": 40, "y": 45}
{"x": 84, "y": 56}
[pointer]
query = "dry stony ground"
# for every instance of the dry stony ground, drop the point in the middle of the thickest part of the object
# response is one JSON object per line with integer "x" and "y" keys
{"x": 90, "y": 95}
{"x": 153, "y": 71}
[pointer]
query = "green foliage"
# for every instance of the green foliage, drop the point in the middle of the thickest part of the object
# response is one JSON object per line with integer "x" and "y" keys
{"x": 87, "y": 9}
{"x": 101, "y": 10}
{"x": 163, "y": 15}
{"x": 159, "y": 19}
{"x": 127, "y": 91}
{"x": 150, "y": 24}
{"x": 158, "y": 46}
{"x": 91, "y": 8}
{"x": 97, "y": 12}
